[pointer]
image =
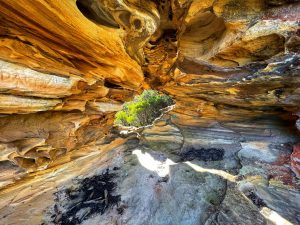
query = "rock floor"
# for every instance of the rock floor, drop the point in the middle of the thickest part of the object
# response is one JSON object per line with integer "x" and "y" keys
{"x": 222, "y": 173}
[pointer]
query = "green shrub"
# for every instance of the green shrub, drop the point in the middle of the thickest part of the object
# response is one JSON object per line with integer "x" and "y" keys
{"x": 143, "y": 110}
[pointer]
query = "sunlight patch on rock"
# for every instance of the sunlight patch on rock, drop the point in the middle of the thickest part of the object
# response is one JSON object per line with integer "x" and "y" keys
{"x": 221, "y": 173}
{"x": 162, "y": 168}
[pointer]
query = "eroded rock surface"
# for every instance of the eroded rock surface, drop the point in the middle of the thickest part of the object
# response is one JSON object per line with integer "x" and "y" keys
{"x": 228, "y": 153}
{"x": 155, "y": 185}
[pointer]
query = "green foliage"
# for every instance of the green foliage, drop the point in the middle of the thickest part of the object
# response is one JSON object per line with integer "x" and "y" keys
{"x": 143, "y": 110}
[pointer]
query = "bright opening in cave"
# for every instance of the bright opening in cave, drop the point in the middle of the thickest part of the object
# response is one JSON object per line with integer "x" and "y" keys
{"x": 144, "y": 109}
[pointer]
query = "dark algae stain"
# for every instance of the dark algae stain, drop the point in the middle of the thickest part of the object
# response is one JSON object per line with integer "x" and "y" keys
{"x": 89, "y": 196}
{"x": 204, "y": 154}
{"x": 256, "y": 200}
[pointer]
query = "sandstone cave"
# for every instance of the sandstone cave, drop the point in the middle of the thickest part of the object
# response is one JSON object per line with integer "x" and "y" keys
{"x": 227, "y": 153}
